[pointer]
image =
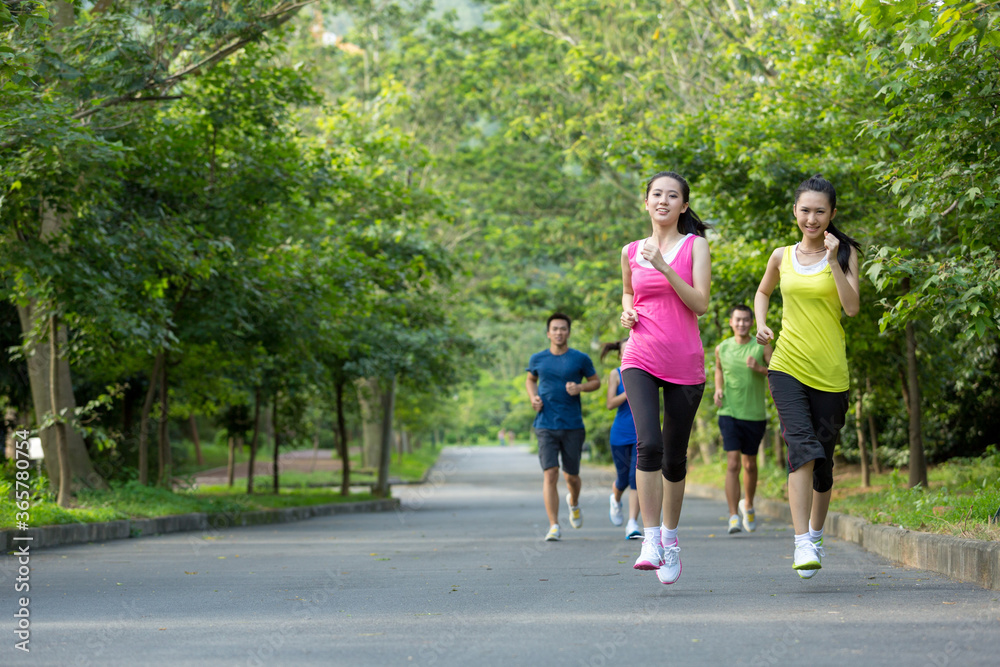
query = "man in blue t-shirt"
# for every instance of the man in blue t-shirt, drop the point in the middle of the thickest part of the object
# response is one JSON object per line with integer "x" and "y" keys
{"x": 554, "y": 388}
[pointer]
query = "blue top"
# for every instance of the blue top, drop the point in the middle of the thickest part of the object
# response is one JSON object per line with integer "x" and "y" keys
{"x": 560, "y": 411}
{"x": 623, "y": 428}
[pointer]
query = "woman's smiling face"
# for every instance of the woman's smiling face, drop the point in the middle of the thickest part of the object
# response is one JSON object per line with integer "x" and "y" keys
{"x": 813, "y": 214}
{"x": 665, "y": 200}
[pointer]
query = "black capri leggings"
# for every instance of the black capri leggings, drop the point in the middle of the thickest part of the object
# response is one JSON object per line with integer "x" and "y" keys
{"x": 811, "y": 420}
{"x": 665, "y": 448}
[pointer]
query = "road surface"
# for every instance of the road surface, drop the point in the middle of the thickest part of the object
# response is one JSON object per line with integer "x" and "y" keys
{"x": 459, "y": 575}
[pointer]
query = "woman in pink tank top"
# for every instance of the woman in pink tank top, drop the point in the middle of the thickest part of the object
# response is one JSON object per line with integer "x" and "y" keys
{"x": 666, "y": 280}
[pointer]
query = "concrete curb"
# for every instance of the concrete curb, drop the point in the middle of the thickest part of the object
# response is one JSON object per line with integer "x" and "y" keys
{"x": 82, "y": 533}
{"x": 972, "y": 561}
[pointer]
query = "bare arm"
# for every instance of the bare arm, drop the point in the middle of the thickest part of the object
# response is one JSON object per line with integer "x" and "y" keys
{"x": 614, "y": 398}
{"x": 695, "y": 296}
{"x": 763, "y": 297}
{"x": 629, "y": 316}
{"x": 593, "y": 383}
{"x": 531, "y": 385}
{"x": 756, "y": 366}
{"x": 848, "y": 286}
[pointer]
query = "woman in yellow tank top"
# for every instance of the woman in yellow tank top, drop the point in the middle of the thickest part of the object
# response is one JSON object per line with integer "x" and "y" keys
{"x": 818, "y": 277}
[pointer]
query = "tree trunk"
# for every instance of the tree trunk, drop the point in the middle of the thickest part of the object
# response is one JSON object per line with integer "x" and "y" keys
{"x": 906, "y": 392}
{"x": 65, "y": 475}
{"x": 918, "y": 464}
{"x": 231, "y": 463}
{"x": 388, "y": 410}
{"x": 277, "y": 442}
{"x": 166, "y": 459}
{"x": 147, "y": 407}
{"x": 82, "y": 472}
{"x": 370, "y": 399}
{"x": 345, "y": 459}
{"x": 81, "y": 468}
{"x": 859, "y": 429}
{"x": 253, "y": 441}
{"x": 872, "y": 433}
{"x": 196, "y": 439}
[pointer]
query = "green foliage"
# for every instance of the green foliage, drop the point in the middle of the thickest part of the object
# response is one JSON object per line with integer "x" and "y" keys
{"x": 963, "y": 496}
{"x": 935, "y": 66}
{"x": 288, "y": 215}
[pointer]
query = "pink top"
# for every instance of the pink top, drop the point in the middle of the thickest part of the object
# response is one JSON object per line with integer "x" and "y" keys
{"x": 665, "y": 342}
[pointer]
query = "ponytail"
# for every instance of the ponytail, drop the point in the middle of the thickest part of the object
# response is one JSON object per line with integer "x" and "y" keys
{"x": 614, "y": 346}
{"x": 844, "y": 251}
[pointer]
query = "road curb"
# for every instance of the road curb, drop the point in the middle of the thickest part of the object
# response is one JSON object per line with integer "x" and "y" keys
{"x": 82, "y": 533}
{"x": 971, "y": 561}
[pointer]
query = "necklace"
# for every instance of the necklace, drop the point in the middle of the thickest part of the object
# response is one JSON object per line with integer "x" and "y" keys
{"x": 810, "y": 252}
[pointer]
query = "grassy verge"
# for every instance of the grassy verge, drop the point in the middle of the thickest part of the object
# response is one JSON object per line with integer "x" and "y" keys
{"x": 961, "y": 498}
{"x": 410, "y": 469}
{"x": 132, "y": 500}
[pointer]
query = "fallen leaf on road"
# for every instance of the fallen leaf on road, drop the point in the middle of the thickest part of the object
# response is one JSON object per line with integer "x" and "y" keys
{"x": 186, "y": 572}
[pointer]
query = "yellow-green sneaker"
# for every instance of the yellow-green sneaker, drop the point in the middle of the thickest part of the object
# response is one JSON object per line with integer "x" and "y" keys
{"x": 807, "y": 559}
{"x": 575, "y": 513}
{"x": 749, "y": 516}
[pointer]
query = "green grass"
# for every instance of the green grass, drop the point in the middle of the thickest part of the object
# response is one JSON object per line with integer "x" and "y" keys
{"x": 132, "y": 500}
{"x": 961, "y": 497}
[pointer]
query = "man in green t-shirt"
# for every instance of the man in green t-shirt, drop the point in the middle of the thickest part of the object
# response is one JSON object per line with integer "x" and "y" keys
{"x": 740, "y": 382}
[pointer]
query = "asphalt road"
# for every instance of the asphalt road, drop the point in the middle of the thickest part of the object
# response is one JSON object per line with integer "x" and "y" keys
{"x": 460, "y": 576}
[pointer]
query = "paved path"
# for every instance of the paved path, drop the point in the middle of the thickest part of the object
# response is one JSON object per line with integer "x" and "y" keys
{"x": 460, "y": 576}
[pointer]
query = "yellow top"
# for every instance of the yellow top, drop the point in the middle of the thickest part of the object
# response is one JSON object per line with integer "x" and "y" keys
{"x": 811, "y": 345}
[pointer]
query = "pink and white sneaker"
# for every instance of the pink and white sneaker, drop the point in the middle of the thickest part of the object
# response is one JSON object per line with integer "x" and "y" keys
{"x": 650, "y": 557}
{"x": 670, "y": 571}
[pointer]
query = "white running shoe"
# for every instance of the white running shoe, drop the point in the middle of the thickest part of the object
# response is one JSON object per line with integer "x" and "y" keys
{"x": 734, "y": 524}
{"x": 749, "y": 516}
{"x": 809, "y": 574}
{"x": 650, "y": 557}
{"x": 554, "y": 533}
{"x": 807, "y": 556}
{"x": 616, "y": 511}
{"x": 670, "y": 571}
{"x": 632, "y": 530}
{"x": 575, "y": 513}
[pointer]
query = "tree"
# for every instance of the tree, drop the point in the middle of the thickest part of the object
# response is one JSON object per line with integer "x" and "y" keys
{"x": 104, "y": 67}
{"x": 936, "y": 65}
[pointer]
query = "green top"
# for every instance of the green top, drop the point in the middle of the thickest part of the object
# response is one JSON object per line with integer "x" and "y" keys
{"x": 811, "y": 346}
{"x": 743, "y": 390}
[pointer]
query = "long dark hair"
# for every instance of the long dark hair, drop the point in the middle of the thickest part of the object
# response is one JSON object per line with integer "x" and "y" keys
{"x": 614, "y": 346}
{"x": 819, "y": 184}
{"x": 689, "y": 222}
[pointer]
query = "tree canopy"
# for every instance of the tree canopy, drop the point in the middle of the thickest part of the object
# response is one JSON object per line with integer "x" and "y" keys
{"x": 273, "y": 200}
